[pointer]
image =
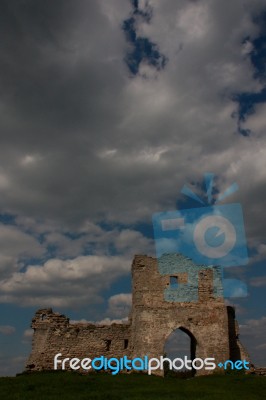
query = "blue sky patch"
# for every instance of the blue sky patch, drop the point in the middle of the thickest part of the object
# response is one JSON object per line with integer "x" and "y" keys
{"x": 142, "y": 49}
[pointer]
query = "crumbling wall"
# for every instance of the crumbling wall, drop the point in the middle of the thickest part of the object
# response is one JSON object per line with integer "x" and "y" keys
{"x": 54, "y": 334}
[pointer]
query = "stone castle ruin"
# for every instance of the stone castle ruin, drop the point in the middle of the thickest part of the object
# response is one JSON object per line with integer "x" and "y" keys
{"x": 209, "y": 322}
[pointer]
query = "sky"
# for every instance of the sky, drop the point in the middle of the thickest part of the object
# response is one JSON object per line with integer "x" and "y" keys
{"x": 106, "y": 110}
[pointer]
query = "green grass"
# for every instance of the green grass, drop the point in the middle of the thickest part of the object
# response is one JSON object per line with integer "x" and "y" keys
{"x": 65, "y": 385}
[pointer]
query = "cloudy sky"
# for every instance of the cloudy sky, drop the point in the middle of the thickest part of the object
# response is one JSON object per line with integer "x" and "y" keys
{"x": 107, "y": 109}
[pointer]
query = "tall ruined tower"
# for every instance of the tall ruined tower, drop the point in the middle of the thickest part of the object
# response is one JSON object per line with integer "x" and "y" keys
{"x": 210, "y": 324}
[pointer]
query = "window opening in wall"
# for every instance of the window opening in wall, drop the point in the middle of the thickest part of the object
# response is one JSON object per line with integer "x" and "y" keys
{"x": 125, "y": 343}
{"x": 108, "y": 345}
{"x": 173, "y": 282}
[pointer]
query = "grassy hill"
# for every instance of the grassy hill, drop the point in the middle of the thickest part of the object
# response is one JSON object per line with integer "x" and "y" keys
{"x": 65, "y": 385}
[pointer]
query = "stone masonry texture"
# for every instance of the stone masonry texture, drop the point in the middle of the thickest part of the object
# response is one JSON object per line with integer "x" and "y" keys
{"x": 209, "y": 322}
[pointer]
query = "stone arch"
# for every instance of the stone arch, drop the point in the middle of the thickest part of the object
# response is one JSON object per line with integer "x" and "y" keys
{"x": 191, "y": 353}
{"x": 193, "y": 341}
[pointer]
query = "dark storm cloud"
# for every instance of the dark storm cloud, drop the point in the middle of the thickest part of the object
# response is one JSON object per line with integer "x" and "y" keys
{"x": 54, "y": 69}
{"x": 60, "y": 76}
{"x": 81, "y": 139}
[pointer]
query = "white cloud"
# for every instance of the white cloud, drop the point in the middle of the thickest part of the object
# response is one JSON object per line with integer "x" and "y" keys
{"x": 119, "y": 305}
{"x": 68, "y": 278}
{"x": 28, "y": 333}
{"x": 16, "y": 246}
{"x": 261, "y": 346}
{"x": 105, "y": 321}
{"x": 65, "y": 247}
{"x": 194, "y": 22}
{"x": 257, "y": 122}
{"x": 64, "y": 283}
{"x": 7, "y": 329}
{"x": 99, "y": 241}
{"x": 247, "y": 47}
{"x": 254, "y": 327}
{"x": 133, "y": 242}
{"x": 27, "y": 336}
{"x": 4, "y": 181}
{"x": 258, "y": 281}
{"x": 108, "y": 321}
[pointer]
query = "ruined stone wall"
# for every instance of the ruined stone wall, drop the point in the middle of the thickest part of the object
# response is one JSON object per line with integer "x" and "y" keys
{"x": 155, "y": 314}
{"x": 54, "y": 334}
{"x": 206, "y": 320}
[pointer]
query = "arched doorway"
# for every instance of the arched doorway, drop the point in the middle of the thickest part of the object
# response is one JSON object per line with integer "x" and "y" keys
{"x": 180, "y": 343}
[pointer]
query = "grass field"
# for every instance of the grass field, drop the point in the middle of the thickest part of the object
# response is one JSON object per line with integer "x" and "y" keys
{"x": 64, "y": 385}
